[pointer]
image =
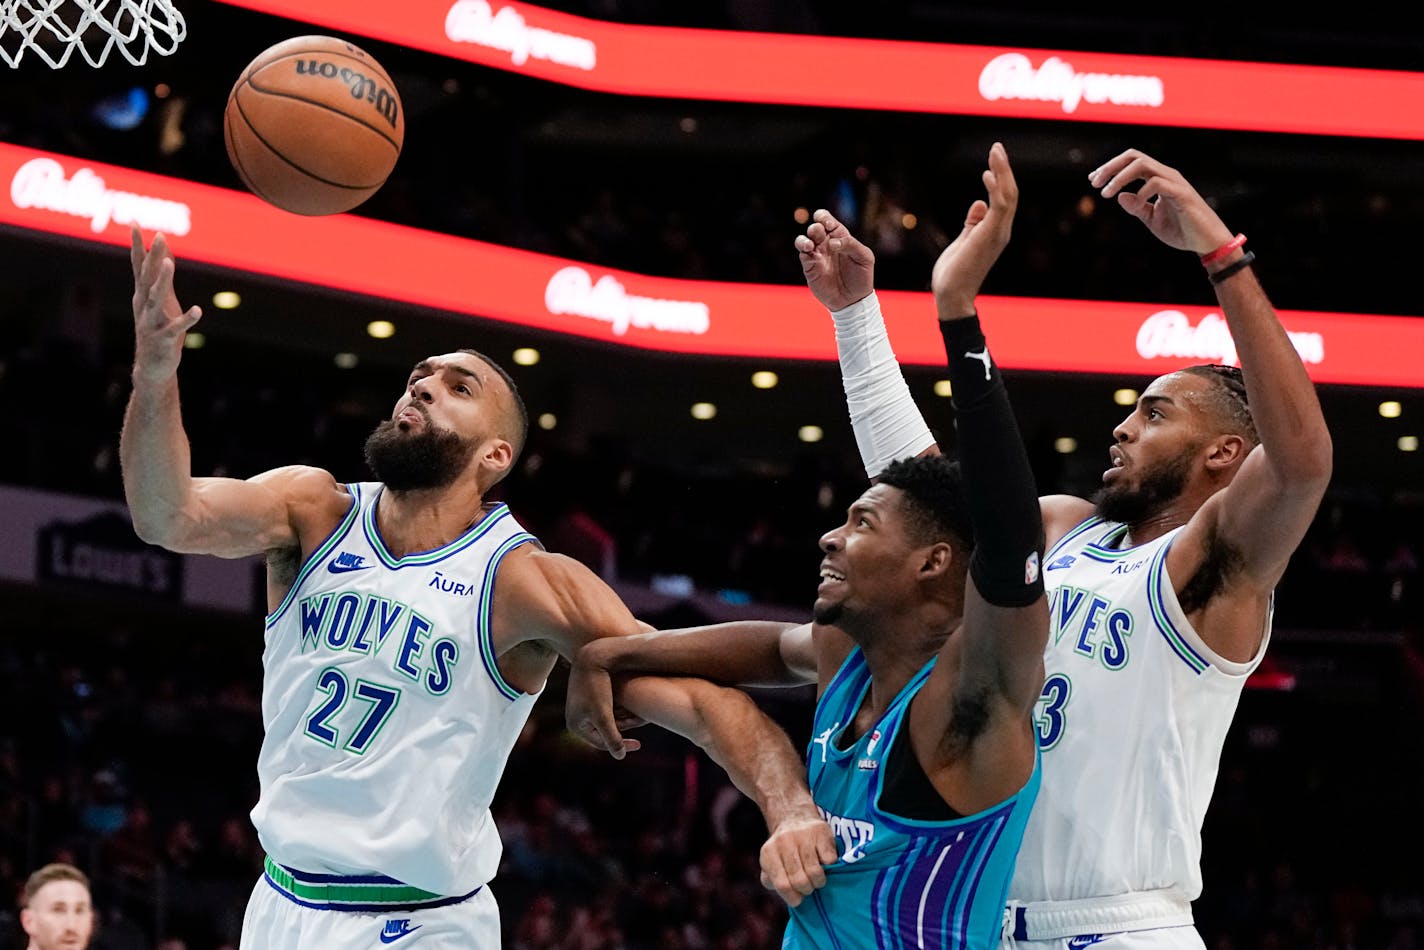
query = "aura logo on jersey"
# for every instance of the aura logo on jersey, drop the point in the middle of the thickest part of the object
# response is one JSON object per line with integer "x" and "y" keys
{"x": 455, "y": 588}
{"x": 352, "y": 622}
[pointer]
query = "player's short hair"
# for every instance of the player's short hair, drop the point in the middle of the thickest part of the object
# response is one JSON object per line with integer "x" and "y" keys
{"x": 521, "y": 420}
{"x": 933, "y": 488}
{"x": 48, "y": 875}
{"x": 1228, "y": 401}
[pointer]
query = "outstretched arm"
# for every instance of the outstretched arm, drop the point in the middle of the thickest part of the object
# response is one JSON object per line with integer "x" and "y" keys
{"x": 170, "y": 507}
{"x": 745, "y": 653}
{"x": 840, "y": 271}
{"x": 759, "y": 759}
{"x": 994, "y": 664}
{"x": 1265, "y": 511}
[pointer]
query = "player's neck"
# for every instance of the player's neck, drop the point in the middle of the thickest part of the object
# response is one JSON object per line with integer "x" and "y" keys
{"x": 1173, "y": 515}
{"x": 413, "y": 521}
{"x": 898, "y": 649}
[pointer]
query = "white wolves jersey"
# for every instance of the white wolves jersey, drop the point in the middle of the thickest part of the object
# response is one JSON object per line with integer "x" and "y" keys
{"x": 899, "y": 882}
{"x": 387, "y": 722}
{"x": 1134, "y": 712}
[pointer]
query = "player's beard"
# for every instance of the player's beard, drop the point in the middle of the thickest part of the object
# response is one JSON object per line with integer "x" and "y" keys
{"x": 828, "y": 615}
{"x": 1159, "y": 487}
{"x": 431, "y": 458}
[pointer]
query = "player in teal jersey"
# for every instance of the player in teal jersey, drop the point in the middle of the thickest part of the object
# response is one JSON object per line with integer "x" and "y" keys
{"x": 927, "y": 647}
{"x": 1160, "y": 594}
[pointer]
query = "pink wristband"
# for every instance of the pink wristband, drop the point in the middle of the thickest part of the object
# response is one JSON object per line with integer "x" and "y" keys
{"x": 1224, "y": 250}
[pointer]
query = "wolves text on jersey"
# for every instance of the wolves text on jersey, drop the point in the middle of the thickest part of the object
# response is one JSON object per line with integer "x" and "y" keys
{"x": 1092, "y": 625}
{"x": 348, "y": 621}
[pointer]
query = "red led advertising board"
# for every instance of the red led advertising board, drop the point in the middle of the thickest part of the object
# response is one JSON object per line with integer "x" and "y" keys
{"x": 95, "y": 202}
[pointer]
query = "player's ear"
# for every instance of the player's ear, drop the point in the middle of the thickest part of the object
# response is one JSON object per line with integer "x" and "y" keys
{"x": 938, "y": 559}
{"x": 1225, "y": 451}
{"x": 496, "y": 459}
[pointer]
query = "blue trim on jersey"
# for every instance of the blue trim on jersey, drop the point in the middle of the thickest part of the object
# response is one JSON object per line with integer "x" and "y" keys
{"x": 319, "y": 555}
{"x": 1156, "y": 579}
{"x": 369, "y": 908}
{"x": 426, "y": 558}
{"x": 307, "y": 877}
{"x": 1073, "y": 533}
{"x": 841, "y": 673}
{"x": 482, "y": 631}
{"x": 826, "y": 921}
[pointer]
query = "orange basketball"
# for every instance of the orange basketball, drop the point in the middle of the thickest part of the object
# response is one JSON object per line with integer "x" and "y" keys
{"x": 314, "y": 125}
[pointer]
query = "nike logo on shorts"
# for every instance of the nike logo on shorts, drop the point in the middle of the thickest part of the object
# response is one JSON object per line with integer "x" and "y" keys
{"x": 396, "y": 929}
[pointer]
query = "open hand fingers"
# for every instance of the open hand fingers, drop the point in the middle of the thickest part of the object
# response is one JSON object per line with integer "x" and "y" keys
{"x": 136, "y": 251}
{"x": 975, "y": 214}
{"x": 999, "y": 180}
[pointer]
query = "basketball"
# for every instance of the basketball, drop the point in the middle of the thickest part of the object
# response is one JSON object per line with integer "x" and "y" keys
{"x": 314, "y": 125}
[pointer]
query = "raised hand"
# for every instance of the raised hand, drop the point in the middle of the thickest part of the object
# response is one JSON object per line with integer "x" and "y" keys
{"x": 793, "y": 859}
{"x": 160, "y": 323}
{"x": 839, "y": 269}
{"x": 961, "y": 268}
{"x": 1166, "y": 202}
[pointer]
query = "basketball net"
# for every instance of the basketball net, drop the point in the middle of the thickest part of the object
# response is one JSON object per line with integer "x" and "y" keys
{"x": 54, "y": 29}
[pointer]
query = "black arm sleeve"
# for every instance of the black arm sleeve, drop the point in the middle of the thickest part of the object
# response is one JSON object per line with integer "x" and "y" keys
{"x": 1003, "y": 501}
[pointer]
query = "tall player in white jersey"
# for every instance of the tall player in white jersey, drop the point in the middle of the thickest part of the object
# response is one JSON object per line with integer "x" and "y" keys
{"x": 412, "y": 626}
{"x": 1160, "y": 593}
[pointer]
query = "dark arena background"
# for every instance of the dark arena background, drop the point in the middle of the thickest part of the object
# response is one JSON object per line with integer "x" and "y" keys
{"x": 130, "y": 677}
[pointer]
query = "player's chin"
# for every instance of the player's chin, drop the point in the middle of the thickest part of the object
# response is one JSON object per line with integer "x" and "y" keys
{"x": 826, "y": 611}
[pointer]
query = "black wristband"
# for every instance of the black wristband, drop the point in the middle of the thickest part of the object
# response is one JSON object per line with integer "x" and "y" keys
{"x": 970, "y": 367}
{"x": 1231, "y": 269}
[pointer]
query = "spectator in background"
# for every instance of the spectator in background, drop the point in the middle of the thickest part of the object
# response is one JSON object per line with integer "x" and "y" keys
{"x": 56, "y": 912}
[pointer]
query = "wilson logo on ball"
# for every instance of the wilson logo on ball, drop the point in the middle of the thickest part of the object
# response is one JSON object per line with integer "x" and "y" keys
{"x": 314, "y": 125}
{"x": 361, "y": 86}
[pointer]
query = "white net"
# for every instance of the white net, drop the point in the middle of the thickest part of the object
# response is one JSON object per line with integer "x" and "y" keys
{"x": 54, "y": 29}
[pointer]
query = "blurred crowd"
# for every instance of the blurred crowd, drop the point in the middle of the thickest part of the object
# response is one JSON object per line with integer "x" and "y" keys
{"x": 132, "y": 747}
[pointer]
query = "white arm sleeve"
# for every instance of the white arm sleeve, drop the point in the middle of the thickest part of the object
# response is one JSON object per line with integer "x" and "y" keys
{"x": 886, "y": 421}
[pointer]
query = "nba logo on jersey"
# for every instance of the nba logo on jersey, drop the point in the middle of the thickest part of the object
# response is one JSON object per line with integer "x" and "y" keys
{"x": 1031, "y": 568}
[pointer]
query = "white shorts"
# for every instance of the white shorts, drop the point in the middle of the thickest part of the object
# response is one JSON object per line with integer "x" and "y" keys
{"x": 274, "y": 921}
{"x": 1163, "y": 938}
{"x": 1139, "y": 920}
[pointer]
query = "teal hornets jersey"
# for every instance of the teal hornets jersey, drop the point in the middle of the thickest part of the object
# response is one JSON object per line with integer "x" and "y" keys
{"x": 899, "y": 882}
{"x": 387, "y": 721}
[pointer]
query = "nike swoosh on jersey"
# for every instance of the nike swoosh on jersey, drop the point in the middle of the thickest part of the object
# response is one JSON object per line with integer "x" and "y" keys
{"x": 335, "y": 568}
